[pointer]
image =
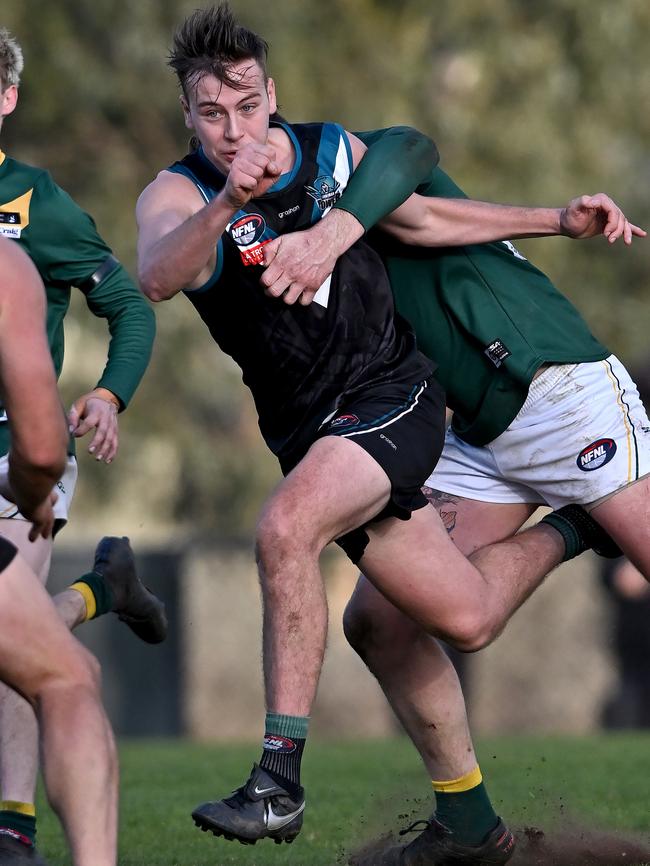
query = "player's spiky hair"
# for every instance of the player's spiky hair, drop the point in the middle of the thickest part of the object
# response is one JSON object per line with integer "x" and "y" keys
{"x": 11, "y": 60}
{"x": 209, "y": 42}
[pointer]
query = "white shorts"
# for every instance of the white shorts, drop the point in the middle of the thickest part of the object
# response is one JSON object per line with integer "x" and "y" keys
{"x": 581, "y": 435}
{"x": 65, "y": 489}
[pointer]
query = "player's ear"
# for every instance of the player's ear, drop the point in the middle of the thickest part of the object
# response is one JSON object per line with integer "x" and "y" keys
{"x": 8, "y": 100}
{"x": 186, "y": 111}
{"x": 270, "y": 91}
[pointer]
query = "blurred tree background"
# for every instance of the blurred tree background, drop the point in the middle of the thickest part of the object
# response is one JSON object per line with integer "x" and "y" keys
{"x": 530, "y": 102}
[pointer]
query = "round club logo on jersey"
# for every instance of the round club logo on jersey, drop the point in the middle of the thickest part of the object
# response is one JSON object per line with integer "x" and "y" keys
{"x": 325, "y": 191}
{"x": 344, "y": 421}
{"x": 284, "y": 745}
{"x": 247, "y": 229}
{"x": 596, "y": 455}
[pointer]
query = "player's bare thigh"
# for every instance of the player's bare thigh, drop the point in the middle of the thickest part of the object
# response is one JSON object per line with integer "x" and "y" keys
{"x": 417, "y": 567}
{"x": 472, "y": 524}
{"x": 335, "y": 488}
{"x": 626, "y": 517}
{"x": 37, "y": 554}
{"x": 35, "y": 645}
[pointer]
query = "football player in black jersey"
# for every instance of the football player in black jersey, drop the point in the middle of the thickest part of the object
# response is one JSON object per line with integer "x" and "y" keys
{"x": 361, "y": 443}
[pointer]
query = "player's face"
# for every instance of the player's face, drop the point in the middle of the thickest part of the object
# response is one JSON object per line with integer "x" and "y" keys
{"x": 224, "y": 118}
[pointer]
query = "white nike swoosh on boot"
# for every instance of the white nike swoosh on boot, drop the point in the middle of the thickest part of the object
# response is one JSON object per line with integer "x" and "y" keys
{"x": 276, "y": 822}
{"x": 261, "y": 791}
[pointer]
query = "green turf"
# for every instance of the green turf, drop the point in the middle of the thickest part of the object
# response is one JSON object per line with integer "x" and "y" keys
{"x": 356, "y": 790}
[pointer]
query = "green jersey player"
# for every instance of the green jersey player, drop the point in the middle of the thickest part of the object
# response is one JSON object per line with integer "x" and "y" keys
{"x": 543, "y": 414}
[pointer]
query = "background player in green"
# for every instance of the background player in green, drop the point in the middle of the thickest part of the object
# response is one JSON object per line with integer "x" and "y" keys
{"x": 38, "y": 655}
{"x": 64, "y": 245}
{"x": 523, "y": 373}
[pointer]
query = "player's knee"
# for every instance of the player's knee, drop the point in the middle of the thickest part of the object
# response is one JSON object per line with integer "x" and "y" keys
{"x": 91, "y": 669}
{"x": 80, "y": 670}
{"x": 69, "y": 674}
{"x": 374, "y": 637}
{"x": 280, "y": 537}
{"x": 358, "y": 629}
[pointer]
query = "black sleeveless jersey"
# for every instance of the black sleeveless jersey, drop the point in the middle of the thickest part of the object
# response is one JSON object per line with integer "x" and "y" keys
{"x": 301, "y": 362}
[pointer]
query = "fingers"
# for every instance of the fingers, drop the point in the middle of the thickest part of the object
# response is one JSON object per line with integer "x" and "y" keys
{"x": 100, "y": 416}
{"x": 616, "y": 223}
{"x": 253, "y": 171}
{"x": 274, "y": 270}
{"x": 293, "y": 294}
{"x": 279, "y": 286}
{"x": 306, "y": 297}
{"x": 283, "y": 288}
{"x": 271, "y": 249}
{"x": 42, "y": 527}
{"x": 76, "y": 410}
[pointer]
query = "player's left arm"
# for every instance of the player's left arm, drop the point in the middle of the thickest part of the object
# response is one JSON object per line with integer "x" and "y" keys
{"x": 78, "y": 256}
{"x": 443, "y": 222}
{"x": 394, "y": 164}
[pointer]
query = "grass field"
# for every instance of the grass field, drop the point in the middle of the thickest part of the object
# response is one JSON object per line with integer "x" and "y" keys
{"x": 359, "y": 790}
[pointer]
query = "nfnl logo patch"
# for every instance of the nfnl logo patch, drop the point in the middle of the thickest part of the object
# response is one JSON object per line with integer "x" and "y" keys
{"x": 344, "y": 421}
{"x": 247, "y": 229}
{"x": 279, "y": 744}
{"x": 596, "y": 455}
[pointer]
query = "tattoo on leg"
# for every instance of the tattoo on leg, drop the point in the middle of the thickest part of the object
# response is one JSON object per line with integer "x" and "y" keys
{"x": 439, "y": 500}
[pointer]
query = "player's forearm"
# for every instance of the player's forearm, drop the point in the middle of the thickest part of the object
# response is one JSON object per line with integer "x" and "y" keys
{"x": 132, "y": 326}
{"x": 178, "y": 259}
{"x": 30, "y": 483}
{"x": 330, "y": 237}
{"x": 38, "y": 451}
{"x": 457, "y": 222}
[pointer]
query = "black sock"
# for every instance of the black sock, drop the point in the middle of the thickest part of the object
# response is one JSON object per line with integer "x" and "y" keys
{"x": 284, "y": 743}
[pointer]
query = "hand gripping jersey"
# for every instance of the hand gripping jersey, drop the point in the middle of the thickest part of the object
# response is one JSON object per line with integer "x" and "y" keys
{"x": 301, "y": 362}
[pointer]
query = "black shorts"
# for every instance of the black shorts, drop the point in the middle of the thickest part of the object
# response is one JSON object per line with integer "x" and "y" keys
{"x": 402, "y": 427}
{"x": 7, "y": 553}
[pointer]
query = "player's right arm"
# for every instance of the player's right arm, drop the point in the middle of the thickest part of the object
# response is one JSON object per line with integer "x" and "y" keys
{"x": 35, "y": 415}
{"x": 178, "y": 231}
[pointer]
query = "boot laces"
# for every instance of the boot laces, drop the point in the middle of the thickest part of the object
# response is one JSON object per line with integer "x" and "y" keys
{"x": 416, "y": 827}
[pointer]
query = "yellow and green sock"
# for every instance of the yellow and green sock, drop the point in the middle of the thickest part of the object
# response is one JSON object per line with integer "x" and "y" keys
{"x": 96, "y": 593}
{"x": 19, "y": 819}
{"x": 463, "y": 806}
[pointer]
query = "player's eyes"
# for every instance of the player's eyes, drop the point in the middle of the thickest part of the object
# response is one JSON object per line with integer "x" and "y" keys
{"x": 250, "y": 106}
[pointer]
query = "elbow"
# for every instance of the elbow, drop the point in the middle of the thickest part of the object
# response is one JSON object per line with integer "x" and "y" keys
{"x": 470, "y": 634}
{"x": 421, "y": 149}
{"x": 150, "y": 287}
